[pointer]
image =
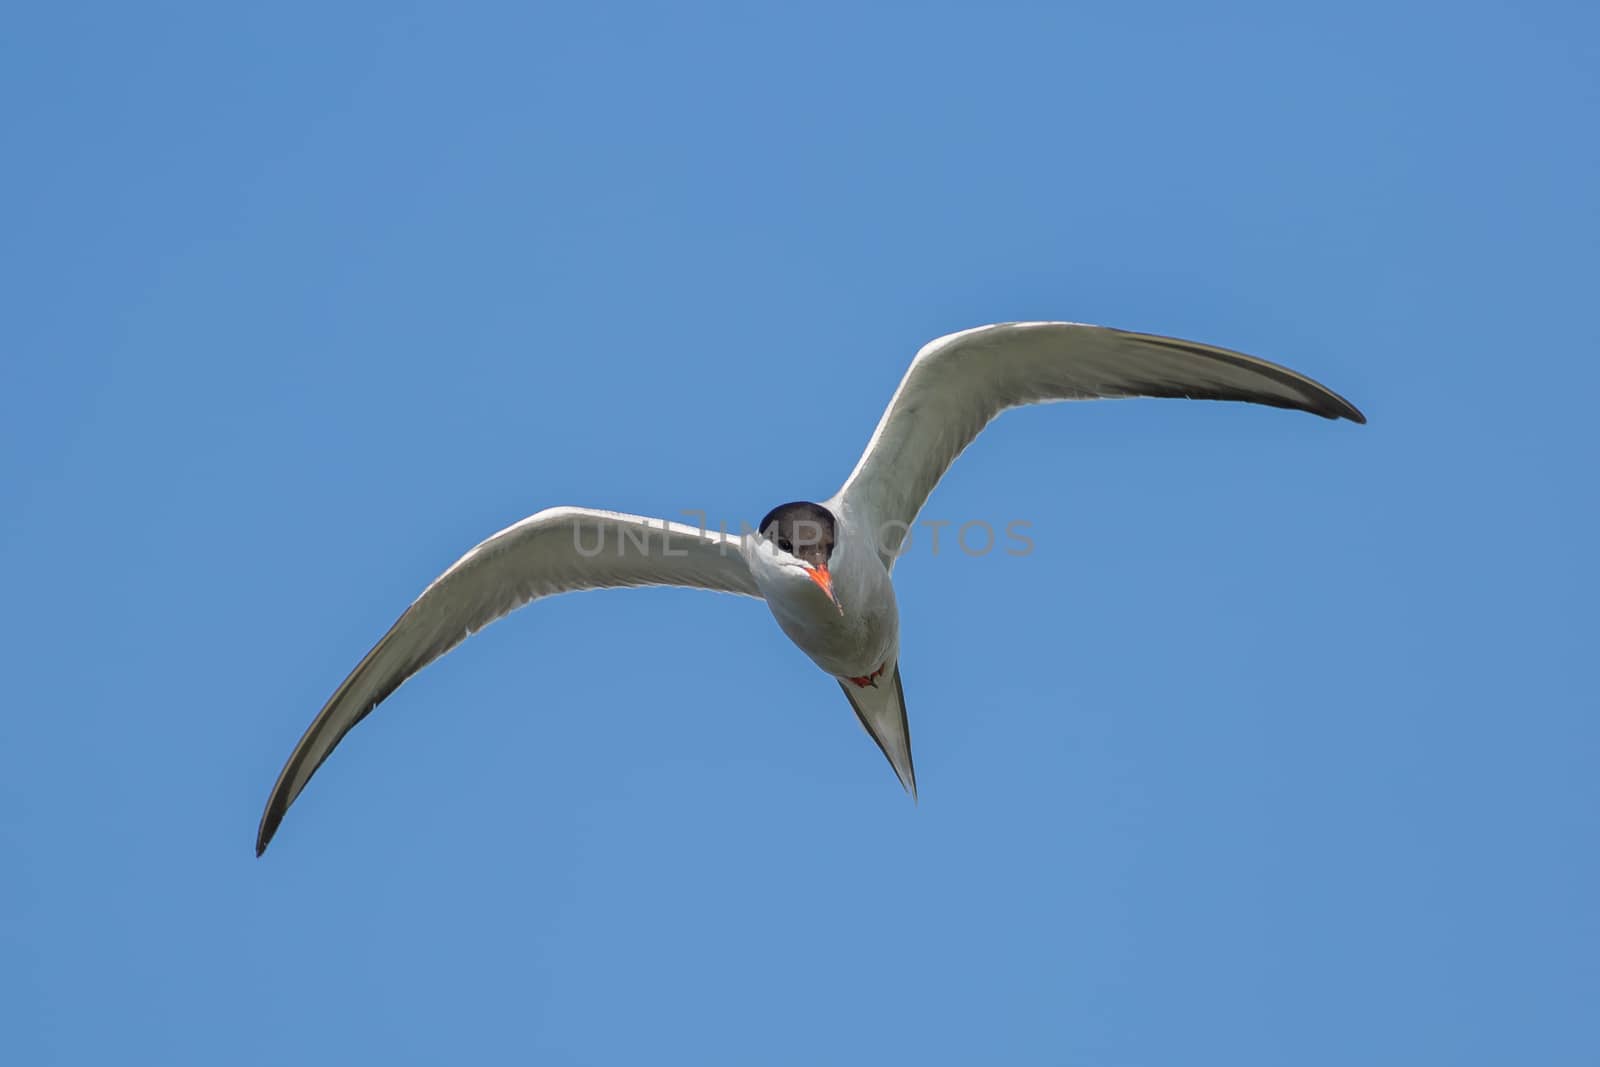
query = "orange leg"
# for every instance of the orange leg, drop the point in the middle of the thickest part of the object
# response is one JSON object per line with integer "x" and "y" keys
{"x": 870, "y": 679}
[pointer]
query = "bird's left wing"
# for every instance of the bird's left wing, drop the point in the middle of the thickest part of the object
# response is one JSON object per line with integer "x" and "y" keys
{"x": 560, "y": 550}
{"x": 958, "y": 383}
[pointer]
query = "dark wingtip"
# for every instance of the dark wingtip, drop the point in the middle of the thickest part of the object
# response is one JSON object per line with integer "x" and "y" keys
{"x": 1341, "y": 409}
{"x": 269, "y": 826}
{"x": 1330, "y": 405}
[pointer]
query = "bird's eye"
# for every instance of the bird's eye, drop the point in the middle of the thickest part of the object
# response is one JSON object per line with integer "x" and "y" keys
{"x": 785, "y": 544}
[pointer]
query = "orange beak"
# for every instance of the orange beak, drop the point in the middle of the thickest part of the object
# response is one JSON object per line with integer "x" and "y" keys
{"x": 824, "y": 580}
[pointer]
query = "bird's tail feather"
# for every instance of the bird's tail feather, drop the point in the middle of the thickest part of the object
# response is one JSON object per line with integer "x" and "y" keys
{"x": 882, "y": 711}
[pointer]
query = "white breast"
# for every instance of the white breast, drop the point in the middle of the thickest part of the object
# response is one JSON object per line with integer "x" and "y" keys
{"x": 852, "y": 644}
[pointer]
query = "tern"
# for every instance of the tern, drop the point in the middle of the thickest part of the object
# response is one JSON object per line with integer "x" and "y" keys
{"x": 824, "y": 569}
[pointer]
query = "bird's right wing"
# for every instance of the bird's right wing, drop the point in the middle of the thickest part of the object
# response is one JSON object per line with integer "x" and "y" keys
{"x": 958, "y": 383}
{"x": 560, "y": 550}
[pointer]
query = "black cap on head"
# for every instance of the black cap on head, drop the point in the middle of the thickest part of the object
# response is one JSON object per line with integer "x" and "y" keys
{"x": 802, "y": 529}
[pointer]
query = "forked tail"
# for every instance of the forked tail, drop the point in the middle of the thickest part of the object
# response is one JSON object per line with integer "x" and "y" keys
{"x": 881, "y": 707}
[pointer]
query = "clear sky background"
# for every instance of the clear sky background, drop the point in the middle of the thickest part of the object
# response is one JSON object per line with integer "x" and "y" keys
{"x": 1280, "y": 747}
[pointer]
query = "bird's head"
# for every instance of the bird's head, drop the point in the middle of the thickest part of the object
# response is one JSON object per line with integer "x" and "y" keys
{"x": 795, "y": 543}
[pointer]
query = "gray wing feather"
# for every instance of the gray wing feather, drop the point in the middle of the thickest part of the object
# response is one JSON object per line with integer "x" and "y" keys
{"x": 960, "y": 382}
{"x": 560, "y": 550}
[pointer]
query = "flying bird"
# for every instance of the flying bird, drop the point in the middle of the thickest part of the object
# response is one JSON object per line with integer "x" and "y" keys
{"x": 824, "y": 569}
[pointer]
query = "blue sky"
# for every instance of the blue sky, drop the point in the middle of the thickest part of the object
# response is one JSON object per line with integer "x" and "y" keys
{"x": 1279, "y": 748}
